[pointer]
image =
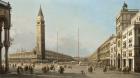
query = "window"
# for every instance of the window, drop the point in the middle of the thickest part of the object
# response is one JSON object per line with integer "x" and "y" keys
{"x": 139, "y": 52}
{"x": 114, "y": 49}
{"x": 138, "y": 41}
{"x": 130, "y": 42}
{"x": 124, "y": 17}
{"x": 130, "y": 33}
{"x": 124, "y": 62}
{"x": 111, "y": 50}
{"x": 130, "y": 45}
{"x": 130, "y": 53}
{"x": 124, "y": 36}
{"x": 38, "y": 22}
{"x": 128, "y": 16}
{"x": 124, "y": 44}
{"x": 124, "y": 54}
{"x": 139, "y": 30}
{"x": 118, "y": 43}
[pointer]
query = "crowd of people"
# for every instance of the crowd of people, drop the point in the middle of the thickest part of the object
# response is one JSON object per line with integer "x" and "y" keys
{"x": 27, "y": 68}
{"x": 59, "y": 68}
{"x": 45, "y": 68}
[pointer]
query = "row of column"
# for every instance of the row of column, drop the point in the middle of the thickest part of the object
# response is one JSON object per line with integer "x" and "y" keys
{"x": 5, "y": 44}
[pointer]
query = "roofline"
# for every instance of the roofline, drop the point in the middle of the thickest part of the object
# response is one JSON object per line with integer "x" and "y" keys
{"x": 129, "y": 10}
{"x": 5, "y": 4}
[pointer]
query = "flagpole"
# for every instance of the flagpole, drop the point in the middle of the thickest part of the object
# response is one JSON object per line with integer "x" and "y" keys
{"x": 78, "y": 44}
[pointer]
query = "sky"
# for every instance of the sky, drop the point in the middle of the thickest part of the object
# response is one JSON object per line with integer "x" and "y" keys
{"x": 95, "y": 19}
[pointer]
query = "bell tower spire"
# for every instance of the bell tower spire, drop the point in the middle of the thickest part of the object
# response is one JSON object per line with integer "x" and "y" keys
{"x": 40, "y": 35}
{"x": 40, "y": 12}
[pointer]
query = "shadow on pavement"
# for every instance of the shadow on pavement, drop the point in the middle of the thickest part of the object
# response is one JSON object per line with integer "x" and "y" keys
{"x": 47, "y": 75}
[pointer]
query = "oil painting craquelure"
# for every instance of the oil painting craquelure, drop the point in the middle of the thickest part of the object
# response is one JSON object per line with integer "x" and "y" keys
{"x": 69, "y": 39}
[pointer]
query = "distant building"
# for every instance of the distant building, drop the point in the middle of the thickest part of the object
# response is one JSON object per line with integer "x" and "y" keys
{"x": 102, "y": 54}
{"x": 31, "y": 57}
{"x": 38, "y": 54}
{"x": 113, "y": 51}
{"x": 94, "y": 57}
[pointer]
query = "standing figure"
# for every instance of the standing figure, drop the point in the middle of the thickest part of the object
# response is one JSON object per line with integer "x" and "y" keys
{"x": 104, "y": 69}
{"x": 90, "y": 69}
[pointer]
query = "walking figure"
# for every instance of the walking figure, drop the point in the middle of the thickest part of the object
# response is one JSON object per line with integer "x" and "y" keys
{"x": 31, "y": 69}
{"x": 83, "y": 72}
{"x": 19, "y": 70}
{"x": 61, "y": 70}
{"x": 90, "y": 69}
{"x": 105, "y": 69}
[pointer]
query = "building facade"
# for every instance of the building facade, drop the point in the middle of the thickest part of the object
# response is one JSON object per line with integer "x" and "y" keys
{"x": 31, "y": 57}
{"x": 131, "y": 45}
{"x": 123, "y": 20}
{"x": 113, "y": 51}
{"x": 102, "y": 54}
{"x": 94, "y": 57}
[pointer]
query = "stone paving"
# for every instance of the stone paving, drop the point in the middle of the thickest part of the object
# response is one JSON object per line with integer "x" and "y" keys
{"x": 75, "y": 73}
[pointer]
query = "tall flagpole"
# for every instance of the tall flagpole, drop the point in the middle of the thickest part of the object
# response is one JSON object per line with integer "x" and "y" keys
{"x": 57, "y": 46}
{"x": 78, "y": 44}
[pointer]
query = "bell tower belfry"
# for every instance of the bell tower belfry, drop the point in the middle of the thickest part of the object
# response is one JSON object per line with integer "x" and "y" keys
{"x": 40, "y": 34}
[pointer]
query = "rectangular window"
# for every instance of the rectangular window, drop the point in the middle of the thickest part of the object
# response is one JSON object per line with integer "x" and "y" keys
{"x": 124, "y": 62}
{"x": 130, "y": 53}
{"x": 124, "y": 17}
{"x": 139, "y": 52}
{"x": 139, "y": 30}
{"x": 130, "y": 33}
{"x": 114, "y": 49}
{"x": 139, "y": 41}
{"x": 124, "y": 54}
{"x": 139, "y": 18}
{"x": 124, "y": 36}
{"x": 128, "y": 17}
{"x": 124, "y": 44}
{"x": 130, "y": 42}
{"x": 130, "y": 45}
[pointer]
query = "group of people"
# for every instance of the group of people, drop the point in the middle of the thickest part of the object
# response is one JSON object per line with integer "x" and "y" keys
{"x": 26, "y": 68}
{"x": 126, "y": 69}
{"x": 60, "y": 68}
{"x": 45, "y": 68}
{"x": 91, "y": 68}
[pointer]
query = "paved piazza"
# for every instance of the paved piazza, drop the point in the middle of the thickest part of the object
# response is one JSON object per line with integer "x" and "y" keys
{"x": 75, "y": 72}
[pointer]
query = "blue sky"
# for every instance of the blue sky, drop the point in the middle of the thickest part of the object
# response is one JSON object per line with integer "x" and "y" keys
{"x": 95, "y": 18}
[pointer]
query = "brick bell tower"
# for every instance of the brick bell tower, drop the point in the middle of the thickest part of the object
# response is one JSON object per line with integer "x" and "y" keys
{"x": 40, "y": 35}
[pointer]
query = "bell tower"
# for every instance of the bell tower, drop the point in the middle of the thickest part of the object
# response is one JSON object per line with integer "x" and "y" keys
{"x": 40, "y": 34}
